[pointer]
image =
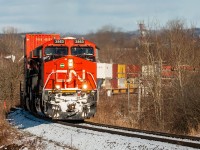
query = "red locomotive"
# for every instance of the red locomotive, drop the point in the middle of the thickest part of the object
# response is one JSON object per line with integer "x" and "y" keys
{"x": 60, "y": 76}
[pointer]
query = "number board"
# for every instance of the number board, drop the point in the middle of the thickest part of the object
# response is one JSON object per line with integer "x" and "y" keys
{"x": 60, "y": 41}
{"x": 79, "y": 41}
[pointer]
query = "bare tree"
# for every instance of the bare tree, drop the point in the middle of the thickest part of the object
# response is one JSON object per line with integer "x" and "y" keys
{"x": 152, "y": 58}
{"x": 10, "y": 69}
{"x": 116, "y": 46}
{"x": 170, "y": 104}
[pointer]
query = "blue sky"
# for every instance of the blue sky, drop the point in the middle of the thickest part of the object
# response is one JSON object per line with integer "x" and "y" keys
{"x": 83, "y": 16}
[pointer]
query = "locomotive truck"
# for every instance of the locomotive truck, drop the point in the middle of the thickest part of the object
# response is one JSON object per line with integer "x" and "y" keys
{"x": 60, "y": 78}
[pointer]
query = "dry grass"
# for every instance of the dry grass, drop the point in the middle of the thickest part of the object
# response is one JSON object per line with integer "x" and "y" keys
{"x": 4, "y": 126}
{"x": 6, "y": 131}
{"x": 114, "y": 110}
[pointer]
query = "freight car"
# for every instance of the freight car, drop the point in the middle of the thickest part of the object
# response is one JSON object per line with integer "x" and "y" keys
{"x": 59, "y": 77}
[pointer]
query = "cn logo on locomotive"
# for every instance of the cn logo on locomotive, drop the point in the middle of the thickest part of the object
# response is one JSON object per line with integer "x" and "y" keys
{"x": 72, "y": 73}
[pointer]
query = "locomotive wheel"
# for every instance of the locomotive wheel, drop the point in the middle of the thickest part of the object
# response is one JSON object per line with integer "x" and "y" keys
{"x": 41, "y": 105}
{"x": 38, "y": 105}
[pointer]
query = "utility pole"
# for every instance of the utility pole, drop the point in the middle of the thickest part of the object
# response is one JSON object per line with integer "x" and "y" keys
{"x": 139, "y": 98}
{"x": 128, "y": 84}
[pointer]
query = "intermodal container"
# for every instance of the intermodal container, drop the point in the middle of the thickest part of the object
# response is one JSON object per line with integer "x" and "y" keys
{"x": 122, "y": 83}
{"x": 167, "y": 72}
{"x": 121, "y": 71}
{"x": 114, "y": 81}
{"x": 148, "y": 70}
{"x": 132, "y": 71}
{"x": 104, "y": 70}
{"x": 34, "y": 40}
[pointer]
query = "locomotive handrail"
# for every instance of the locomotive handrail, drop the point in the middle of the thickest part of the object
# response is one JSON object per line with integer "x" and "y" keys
{"x": 92, "y": 78}
{"x": 62, "y": 71}
{"x": 48, "y": 79}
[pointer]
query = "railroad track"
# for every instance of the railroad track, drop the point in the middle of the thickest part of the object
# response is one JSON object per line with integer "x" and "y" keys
{"x": 189, "y": 141}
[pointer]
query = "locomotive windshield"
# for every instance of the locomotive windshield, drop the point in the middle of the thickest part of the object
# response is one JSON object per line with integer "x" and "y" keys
{"x": 56, "y": 51}
{"x": 83, "y": 52}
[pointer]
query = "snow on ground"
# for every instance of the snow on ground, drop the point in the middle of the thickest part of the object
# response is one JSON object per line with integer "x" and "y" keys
{"x": 56, "y": 136}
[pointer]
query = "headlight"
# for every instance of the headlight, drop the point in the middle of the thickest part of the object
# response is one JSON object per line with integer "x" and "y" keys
{"x": 57, "y": 86}
{"x": 70, "y": 63}
{"x": 84, "y": 86}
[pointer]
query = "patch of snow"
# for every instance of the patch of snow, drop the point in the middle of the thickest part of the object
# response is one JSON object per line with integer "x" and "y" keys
{"x": 81, "y": 139}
